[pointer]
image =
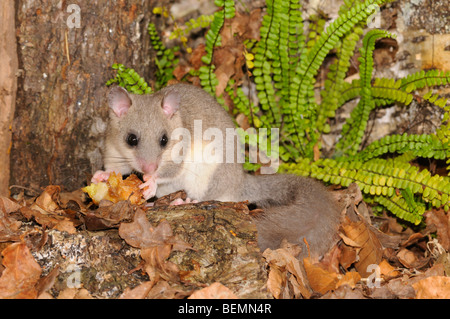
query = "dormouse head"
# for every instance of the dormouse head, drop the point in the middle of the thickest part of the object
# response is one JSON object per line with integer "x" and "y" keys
{"x": 141, "y": 125}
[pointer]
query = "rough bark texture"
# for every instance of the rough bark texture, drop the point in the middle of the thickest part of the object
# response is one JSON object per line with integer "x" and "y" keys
{"x": 223, "y": 240}
{"x": 61, "y": 108}
{"x": 8, "y": 87}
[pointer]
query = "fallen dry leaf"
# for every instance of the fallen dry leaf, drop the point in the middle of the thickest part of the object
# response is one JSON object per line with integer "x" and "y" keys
{"x": 351, "y": 278}
{"x": 437, "y": 287}
{"x": 46, "y": 282}
{"x": 156, "y": 244}
{"x": 21, "y": 273}
{"x": 8, "y": 206}
{"x": 442, "y": 222}
{"x": 348, "y": 256}
{"x": 156, "y": 264}
{"x": 162, "y": 290}
{"x": 139, "y": 292}
{"x": 319, "y": 279}
{"x": 47, "y": 201}
{"x": 46, "y": 211}
{"x": 276, "y": 282}
{"x": 74, "y": 293}
{"x": 214, "y": 291}
{"x": 9, "y": 228}
{"x": 332, "y": 259}
{"x": 344, "y": 292}
{"x": 109, "y": 216}
{"x": 77, "y": 196}
{"x": 247, "y": 25}
{"x": 406, "y": 257}
{"x": 388, "y": 271}
{"x": 52, "y": 221}
{"x": 361, "y": 236}
{"x": 284, "y": 260}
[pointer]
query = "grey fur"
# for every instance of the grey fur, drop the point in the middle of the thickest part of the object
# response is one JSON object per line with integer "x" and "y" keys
{"x": 295, "y": 207}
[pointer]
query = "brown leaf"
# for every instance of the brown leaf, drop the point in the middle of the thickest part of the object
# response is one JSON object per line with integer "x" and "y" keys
{"x": 348, "y": 256}
{"x": 162, "y": 290}
{"x": 169, "y": 198}
{"x": 8, "y": 206}
{"x": 180, "y": 71}
{"x": 247, "y": 25}
{"x": 48, "y": 199}
{"x": 109, "y": 216}
{"x": 351, "y": 278}
{"x": 156, "y": 245}
{"x": 276, "y": 282}
{"x": 344, "y": 292}
{"x": 388, "y": 271}
{"x": 196, "y": 56}
{"x": 46, "y": 282}
{"x": 442, "y": 222}
{"x": 75, "y": 293}
{"x": 406, "y": 257}
{"x": 320, "y": 280}
{"x": 437, "y": 287}
{"x": 53, "y": 221}
{"x": 9, "y": 227}
{"x": 282, "y": 260}
{"x": 214, "y": 291}
{"x": 139, "y": 292}
{"x": 225, "y": 59}
{"x": 331, "y": 259}
{"x": 363, "y": 237}
{"x": 77, "y": 196}
{"x": 156, "y": 265}
{"x": 21, "y": 273}
{"x": 141, "y": 234}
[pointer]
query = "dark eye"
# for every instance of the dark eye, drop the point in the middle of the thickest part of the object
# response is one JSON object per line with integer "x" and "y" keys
{"x": 163, "y": 141}
{"x": 132, "y": 140}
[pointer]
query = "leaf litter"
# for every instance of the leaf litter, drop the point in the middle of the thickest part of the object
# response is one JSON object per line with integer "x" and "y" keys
{"x": 375, "y": 258}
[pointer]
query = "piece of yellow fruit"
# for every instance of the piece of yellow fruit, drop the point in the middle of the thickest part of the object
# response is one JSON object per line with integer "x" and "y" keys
{"x": 116, "y": 189}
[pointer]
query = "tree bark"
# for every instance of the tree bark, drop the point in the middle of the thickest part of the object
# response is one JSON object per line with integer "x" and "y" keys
{"x": 8, "y": 88}
{"x": 66, "y": 52}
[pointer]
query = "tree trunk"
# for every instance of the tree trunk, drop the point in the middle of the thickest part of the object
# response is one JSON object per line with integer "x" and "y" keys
{"x": 8, "y": 87}
{"x": 66, "y": 52}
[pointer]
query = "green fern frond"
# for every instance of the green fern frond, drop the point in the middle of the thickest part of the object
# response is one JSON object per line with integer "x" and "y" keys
{"x": 334, "y": 85}
{"x": 425, "y": 145}
{"x": 208, "y": 78}
{"x": 165, "y": 60}
{"x": 242, "y": 103}
{"x": 130, "y": 80}
{"x": 400, "y": 207}
{"x": 366, "y": 59}
{"x": 355, "y": 126}
{"x": 302, "y": 101}
{"x": 421, "y": 79}
{"x": 265, "y": 54}
{"x": 381, "y": 179}
{"x": 390, "y": 89}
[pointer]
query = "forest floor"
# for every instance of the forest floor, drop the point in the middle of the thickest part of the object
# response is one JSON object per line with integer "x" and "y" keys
{"x": 377, "y": 257}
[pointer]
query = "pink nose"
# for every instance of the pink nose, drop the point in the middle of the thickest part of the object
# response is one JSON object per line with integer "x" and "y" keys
{"x": 148, "y": 168}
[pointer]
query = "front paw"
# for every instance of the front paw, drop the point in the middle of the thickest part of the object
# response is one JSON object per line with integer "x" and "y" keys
{"x": 100, "y": 176}
{"x": 148, "y": 187}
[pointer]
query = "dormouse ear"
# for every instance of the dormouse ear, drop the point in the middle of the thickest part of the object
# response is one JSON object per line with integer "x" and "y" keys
{"x": 170, "y": 103}
{"x": 119, "y": 100}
